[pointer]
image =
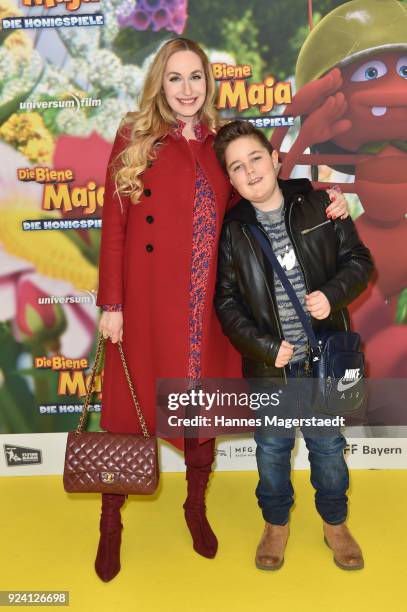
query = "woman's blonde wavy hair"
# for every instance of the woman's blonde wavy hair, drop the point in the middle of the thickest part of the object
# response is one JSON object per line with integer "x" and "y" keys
{"x": 148, "y": 126}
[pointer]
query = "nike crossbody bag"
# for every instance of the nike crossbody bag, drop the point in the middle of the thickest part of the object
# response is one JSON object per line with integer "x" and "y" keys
{"x": 337, "y": 363}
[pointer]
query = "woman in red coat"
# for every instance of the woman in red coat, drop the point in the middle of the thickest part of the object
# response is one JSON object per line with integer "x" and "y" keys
{"x": 165, "y": 198}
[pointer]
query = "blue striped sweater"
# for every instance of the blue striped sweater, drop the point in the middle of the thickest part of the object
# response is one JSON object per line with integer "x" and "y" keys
{"x": 274, "y": 225}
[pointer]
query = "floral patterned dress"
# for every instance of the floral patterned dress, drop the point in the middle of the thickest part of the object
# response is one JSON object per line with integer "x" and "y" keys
{"x": 203, "y": 239}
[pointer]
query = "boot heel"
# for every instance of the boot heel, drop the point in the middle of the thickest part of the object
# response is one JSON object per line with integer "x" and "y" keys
{"x": 204, "y": 540}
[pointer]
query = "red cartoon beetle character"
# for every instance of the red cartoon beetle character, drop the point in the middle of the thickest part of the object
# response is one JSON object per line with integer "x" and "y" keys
{"x": 351, "y": 78}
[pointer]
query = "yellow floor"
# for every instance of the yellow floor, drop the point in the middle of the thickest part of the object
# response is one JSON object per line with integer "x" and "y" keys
{"x": 49, "y": 538}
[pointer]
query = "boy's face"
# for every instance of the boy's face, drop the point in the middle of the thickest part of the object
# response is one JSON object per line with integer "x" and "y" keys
{"x": 251, "y": 169}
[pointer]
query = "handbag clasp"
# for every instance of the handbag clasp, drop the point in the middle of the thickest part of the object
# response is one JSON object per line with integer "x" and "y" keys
{"x": 107, "y": 477}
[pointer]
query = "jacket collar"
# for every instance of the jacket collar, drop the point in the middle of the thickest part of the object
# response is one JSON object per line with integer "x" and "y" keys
{"x": 244, "y": 212}
{"x": 201, "y": 130}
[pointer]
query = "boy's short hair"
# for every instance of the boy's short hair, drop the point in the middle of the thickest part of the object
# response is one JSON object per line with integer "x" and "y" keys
{"x": 233, "y": 130}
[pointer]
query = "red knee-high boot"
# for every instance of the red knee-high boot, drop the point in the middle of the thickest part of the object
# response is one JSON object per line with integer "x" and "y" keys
{"x": 199, "y": 459}
{"x": 107, "y": 563}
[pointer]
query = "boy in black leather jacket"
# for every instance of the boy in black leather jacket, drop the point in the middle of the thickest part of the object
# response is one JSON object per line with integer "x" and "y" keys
{"x": 328, "y": 267}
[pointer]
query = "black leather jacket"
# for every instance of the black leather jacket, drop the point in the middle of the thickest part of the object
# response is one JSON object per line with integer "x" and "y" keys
{"x": 332, "y": 258}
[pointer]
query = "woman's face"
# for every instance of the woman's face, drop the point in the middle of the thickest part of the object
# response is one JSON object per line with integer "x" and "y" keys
{"x": 184, "y": 84}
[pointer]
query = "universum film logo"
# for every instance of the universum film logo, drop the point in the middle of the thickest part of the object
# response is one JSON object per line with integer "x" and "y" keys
{"x": 76, "y": 103}
{"x": 90, "y": 298}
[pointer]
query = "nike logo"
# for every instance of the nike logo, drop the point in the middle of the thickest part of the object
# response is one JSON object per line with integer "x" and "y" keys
{"x": 343, "y": 386}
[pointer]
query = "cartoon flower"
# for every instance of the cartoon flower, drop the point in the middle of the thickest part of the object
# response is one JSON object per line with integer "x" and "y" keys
{"x": 37, "y": 322}
{"x": 157, "y": 14}
{"x": 89, "y": 165}
{"x": 160, "y": 19}
{"x": 8, "y": 66}
{"x": 19, "y": 44}
{"x": 105, "y": 69}
{"x": 92, "y": 161}
{"x": 38, "y": 150}
{"x": 53, "y": 82}
{"x": 8, "y": 9}
{"x": 133, "y": 79}
{"x": 107, "y": 119}
{"x": 140, "y": 20}
{"x": 72, "y": 121}
{"x": 27, "y": 132}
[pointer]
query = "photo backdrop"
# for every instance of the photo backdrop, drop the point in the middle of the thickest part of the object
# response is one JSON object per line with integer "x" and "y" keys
{"x": 70, "y": 70}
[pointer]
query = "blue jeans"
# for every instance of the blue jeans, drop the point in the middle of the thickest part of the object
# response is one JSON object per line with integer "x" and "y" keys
{"x": 329, "y": 472}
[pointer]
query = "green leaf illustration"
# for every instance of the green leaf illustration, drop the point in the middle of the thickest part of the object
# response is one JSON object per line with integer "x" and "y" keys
{"x": 401, "y": 313}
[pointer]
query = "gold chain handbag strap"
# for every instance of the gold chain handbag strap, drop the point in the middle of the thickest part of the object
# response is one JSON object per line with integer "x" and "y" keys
{"x": 84, "y": 415}
{"x": 140, "y": 415}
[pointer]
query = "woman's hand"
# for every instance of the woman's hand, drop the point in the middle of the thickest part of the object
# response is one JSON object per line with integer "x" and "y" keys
{"x": 111, "y": 326}
{"x": 339, "y": 206}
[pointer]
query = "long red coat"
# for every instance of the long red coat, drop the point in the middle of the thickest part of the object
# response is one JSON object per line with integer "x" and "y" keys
{"x": 145, "y": 264}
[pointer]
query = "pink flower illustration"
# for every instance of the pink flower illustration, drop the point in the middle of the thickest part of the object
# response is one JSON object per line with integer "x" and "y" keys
{"x": 38, "y": 322}
{"x": 157, "y": 14}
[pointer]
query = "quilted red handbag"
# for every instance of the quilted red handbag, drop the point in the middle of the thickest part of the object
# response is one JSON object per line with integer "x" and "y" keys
{"x": 104, "y": 462}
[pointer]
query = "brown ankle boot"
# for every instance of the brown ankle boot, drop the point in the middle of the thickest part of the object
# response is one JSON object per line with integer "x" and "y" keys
{"x": 107, "y": 563}
{"x": 270, "y": 551}
{"x": 347, "y": 552}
